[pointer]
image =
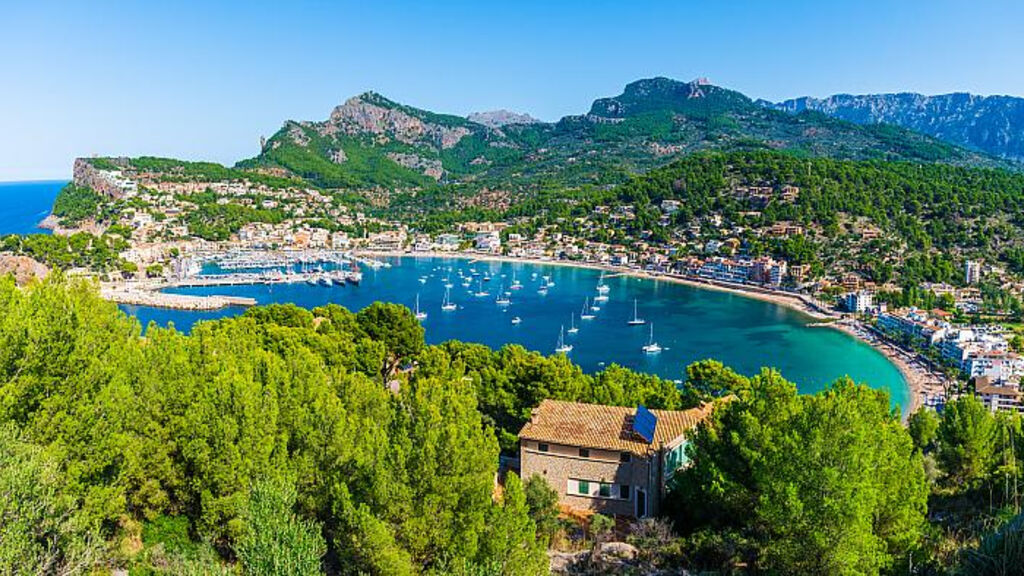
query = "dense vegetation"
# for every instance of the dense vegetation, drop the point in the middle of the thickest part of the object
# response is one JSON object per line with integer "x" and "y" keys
{"x": 288, "y": 441}
{"x": 79, "y": 250}
{"x": 76, "y": 203}
{"x": 928, "y": 217}
{"x": 651, "y": 122}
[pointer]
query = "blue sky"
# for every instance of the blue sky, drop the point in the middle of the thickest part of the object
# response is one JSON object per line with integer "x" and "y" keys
{"x": 203, "y": 80}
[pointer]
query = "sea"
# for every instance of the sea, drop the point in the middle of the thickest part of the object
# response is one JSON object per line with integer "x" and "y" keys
{"x": 688, "y": 323}
{"x": 23, "y": 205}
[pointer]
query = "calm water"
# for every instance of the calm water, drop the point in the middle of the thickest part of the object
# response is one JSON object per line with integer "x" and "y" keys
{"x": 690, "y": 323}
{"x": 25, "y": 204}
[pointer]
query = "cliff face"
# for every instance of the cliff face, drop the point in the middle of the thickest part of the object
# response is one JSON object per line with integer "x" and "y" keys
{"x": 991, "y": 124}
{"x": 107, "y": 181}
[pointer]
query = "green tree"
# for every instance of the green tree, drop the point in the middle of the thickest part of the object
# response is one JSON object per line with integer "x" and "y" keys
{"x": 542, "y": 501}
{"x": 396, "y": 327}
{"x": 967, "y": 442}
{"x": 923, "y": 426}
{"x": 820, "y": 484}
{"x": 275, "y": 542}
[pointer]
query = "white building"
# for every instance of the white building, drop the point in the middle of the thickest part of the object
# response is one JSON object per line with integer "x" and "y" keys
{"x": 972, "y": 272}
{"x": 859, "y": 302}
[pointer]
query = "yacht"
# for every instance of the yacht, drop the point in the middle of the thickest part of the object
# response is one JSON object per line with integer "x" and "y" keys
{"x": 573, "y": 328}
{"x": 602, "y": 288}
{"x": 515, "y": 283}
{"x": 480, "y": 292}
{"x": 447, "y": 305}
{"x": 585, "y": 314}
{"x": 601, "y": 298}
{"x": 637, "y": 320}
{"x": 420, "y": 315}
{"x": 562, "y": 347}
{"x": 325, "y": 280}
{"x": 516, "y": 320}
{"x": 652, "y": 347}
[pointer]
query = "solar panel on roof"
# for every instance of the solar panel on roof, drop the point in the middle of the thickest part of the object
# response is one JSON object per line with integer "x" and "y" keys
{"x": 644, "y": 423}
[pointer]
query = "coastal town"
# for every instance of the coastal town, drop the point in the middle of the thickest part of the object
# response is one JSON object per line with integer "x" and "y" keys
{"x": 942, "y": 351}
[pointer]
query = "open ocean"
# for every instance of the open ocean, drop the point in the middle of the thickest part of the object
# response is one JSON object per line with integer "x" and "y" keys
{"x": 23, "y": 205}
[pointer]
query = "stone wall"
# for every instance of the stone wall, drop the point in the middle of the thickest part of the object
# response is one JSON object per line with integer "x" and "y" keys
{"x": 561, "y": 464}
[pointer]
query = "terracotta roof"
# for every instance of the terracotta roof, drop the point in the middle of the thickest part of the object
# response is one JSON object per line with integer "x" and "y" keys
{"x": 999, "y": 390}
{"x": 606, "y": 427}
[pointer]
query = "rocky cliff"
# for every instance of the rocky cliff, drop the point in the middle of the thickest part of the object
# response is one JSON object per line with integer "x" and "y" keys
{"x": 991, "y": 124}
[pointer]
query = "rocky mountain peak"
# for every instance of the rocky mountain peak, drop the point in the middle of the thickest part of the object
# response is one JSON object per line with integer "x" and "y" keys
{"x": 499, "y": 118}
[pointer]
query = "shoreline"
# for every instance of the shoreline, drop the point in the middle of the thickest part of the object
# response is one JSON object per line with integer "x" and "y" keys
{"x": 918, "y": 384}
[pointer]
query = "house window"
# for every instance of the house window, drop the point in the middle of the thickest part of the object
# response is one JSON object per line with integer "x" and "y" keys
{"x": 542, "y": 447}
{"x": 584, "y": 453}
{"x": 604, "y": 490}
{"x": 583, "y": 487}
{"x": 625, "y": 457}
{"x": 624, "y": 491}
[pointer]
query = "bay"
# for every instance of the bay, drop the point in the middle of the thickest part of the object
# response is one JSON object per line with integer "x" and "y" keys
{"x": 689, "y": 323}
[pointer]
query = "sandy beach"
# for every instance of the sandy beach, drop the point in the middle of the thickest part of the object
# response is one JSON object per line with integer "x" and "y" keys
{"x": 920, "y": 382}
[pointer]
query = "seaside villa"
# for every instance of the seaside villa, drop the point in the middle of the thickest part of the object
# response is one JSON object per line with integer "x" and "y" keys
{"x": 608, "y": 459}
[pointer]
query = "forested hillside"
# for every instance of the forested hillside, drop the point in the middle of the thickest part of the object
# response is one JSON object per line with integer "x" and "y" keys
{"x": 288, "y": 441}
{"x": 372, "y": 142}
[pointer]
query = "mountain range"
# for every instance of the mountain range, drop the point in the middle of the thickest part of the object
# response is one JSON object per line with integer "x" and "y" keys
{"x": 990, "y": 124}
{"x": 371, "y": 142}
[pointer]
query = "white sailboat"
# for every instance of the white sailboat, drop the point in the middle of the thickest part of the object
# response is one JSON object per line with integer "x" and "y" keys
{"x": 448, "y": 305}
{"x": 637, "y": 320}
{"x": 602, "y": 288}
{"x": 601, "y": 298}
{"x": 652, "y": 347}
{"x": 480, "y": 292}
{"x": 516, "y": 320}
{"x": 502, "y": 299}
{"x": 573, "y": 328}
{"x": 562, "y": 347}
{"x": 515, "y": 283}
{"x": 585, "y": 314}
{"x": 420, "y": 315}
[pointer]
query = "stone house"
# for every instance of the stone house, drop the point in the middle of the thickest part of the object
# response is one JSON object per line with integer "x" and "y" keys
{"x": 609, "y": 459}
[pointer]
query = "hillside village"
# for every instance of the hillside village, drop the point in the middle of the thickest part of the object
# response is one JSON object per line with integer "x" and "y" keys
{"x": 171, "y": 217}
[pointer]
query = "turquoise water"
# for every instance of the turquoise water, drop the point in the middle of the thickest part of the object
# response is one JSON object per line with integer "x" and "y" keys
{"x": 690, "y": 323}
{"x": 25, "y": 204}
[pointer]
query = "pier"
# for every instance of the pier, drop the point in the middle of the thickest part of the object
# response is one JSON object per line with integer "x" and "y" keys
{"x": 155, "y": 299}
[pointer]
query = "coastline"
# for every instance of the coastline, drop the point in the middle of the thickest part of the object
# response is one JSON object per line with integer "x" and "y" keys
{"x": 919, "y": 383}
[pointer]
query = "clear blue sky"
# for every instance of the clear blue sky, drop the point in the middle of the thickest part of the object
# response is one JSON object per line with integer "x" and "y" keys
{"x": 203, "y": 80}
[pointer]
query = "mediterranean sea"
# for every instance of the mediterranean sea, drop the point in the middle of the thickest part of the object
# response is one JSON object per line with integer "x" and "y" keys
{"x": 688, "y": 323}
{"x": 23, "y": 205}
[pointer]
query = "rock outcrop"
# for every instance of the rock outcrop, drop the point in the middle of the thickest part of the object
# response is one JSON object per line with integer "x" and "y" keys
{"x": 23, "y": 268}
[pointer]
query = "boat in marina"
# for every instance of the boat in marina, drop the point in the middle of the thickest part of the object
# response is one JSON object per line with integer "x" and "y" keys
{"x": 420, "y": 315}
{"x": 636, "y": 320}
{"x": 325, "y": 280}
{"x": 447, "y": 305}
{"x": 562, "y": 347}
{"x": 652, "y": 347}
{"x": 586, "y": 313}
{"x": 573, "y": 328}
{"x": 502, "y": 299}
